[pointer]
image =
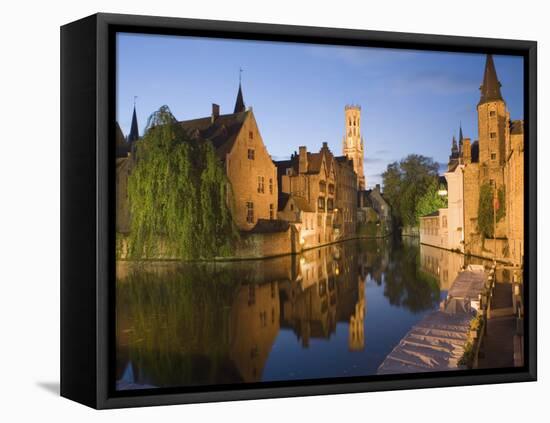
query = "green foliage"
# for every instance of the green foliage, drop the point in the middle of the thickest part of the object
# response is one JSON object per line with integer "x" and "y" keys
{"x": 431, "y": 201}
{"x": 485, "y": 219}
{"x": 405, "y": 183}
{"x": 173, "y": 322}
{"x": 178, "y": 195}
{"x": 405, "y": 284}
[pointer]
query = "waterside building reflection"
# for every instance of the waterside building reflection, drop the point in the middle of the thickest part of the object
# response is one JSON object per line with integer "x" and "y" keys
{"x": 226, "y": 322}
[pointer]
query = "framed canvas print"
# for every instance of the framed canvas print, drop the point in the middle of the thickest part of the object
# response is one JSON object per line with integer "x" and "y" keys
{"x": 256, "y": 211}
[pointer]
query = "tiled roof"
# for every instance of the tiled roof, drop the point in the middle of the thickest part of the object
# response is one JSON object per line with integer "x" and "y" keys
{"x": 222, "y": 131}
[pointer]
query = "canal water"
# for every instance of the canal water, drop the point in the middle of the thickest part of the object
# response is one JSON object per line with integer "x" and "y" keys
{"x": 335, "y": 311}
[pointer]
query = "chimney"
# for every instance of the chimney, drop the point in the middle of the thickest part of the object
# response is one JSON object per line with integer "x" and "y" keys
{"x": 302, "y": 166}
{"x": 325, "y": 145}
{"x": 466, "y": 151}
{"x": 215, "y": 112}
{"x": 377, "y": 187}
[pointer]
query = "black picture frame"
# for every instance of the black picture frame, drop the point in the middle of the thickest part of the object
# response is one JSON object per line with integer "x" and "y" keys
{"x": 87, "y": 215}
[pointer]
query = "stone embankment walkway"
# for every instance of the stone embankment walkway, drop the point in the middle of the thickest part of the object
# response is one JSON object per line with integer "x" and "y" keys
{"x": 438, "y": 342}
{"x": 497, "y": 348}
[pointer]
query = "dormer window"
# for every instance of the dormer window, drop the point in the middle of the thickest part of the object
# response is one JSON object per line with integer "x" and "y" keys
{"x": 492, "y": 113}
{"x": 250, "y": 154}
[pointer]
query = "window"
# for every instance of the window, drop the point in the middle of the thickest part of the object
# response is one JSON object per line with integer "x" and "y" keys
{"x": 492, "y": 182}
{"x": 271, "y": 212}
{"x": 493, "y": 134}
{"x": 271, "y": 185}
{"x": 322, "y": 186}
{"x": 319, "y": 221}
{"x": 444, "y": 221}
{"x": 331, "y": 188}
{"x": 261, "y": 187}
{"x": 249, "y": 212}
{"x": 250, "y": 135}
{"x": 250, "y": 154}
{"x": 493, "y": 156}
{"x": 330, "y": 204}
{"x": 492, "y": 113}
{"x": 292, "y": 207}
{"x": 321, "y": 204}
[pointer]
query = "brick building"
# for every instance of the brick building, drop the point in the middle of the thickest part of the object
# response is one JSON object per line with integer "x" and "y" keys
{"x": 495, "y": 159}
{"x": 248, "y": 165}
{"x": 345, "y": 213}
{"x": 310, "y": 180}
{"x": 499, "y": 164}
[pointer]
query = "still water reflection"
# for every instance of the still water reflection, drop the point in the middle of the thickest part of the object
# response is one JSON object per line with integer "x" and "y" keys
{"x": 330, "y": 312}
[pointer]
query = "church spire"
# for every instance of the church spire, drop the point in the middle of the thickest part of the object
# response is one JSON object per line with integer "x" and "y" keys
{"x": 239, "y": 103}
{"x": 454, "y": 148}
{"x": 134, "y": 132}
{"x": 490, "y": 88}
{"x": 460, "y": 136}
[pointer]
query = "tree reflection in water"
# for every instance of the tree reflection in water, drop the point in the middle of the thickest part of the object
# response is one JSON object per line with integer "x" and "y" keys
{"x": 184, "y": 324}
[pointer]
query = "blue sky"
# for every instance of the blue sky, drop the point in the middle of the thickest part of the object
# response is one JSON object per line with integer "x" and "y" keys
{"x": 412, "y": 101}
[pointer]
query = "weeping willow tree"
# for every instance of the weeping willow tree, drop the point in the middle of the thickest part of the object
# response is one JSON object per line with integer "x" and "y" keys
{"x": 178, "y": 195}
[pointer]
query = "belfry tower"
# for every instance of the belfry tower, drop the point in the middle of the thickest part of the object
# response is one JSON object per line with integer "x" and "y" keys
{"x": 353, "y": 143}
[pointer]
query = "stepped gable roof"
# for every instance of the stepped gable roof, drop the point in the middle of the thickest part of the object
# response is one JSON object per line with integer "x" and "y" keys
{"x": 516, "y": 127}
{"x": 490, "y": 88}
{"x": 221, "y": 131}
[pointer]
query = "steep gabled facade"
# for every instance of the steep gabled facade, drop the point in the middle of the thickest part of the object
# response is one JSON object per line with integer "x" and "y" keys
{"x": 311, "y": 177}
{"x": 248, "y": 165}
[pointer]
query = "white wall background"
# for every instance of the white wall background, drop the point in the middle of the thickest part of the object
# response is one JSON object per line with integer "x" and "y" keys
{"x": 29, "y": 208}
